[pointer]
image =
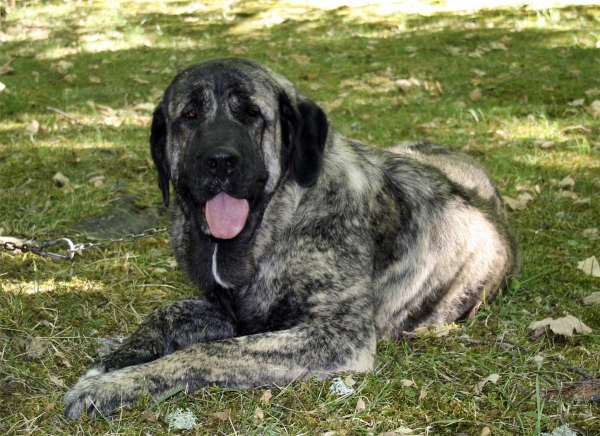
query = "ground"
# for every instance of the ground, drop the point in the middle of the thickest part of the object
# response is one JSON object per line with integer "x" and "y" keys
{"x": 516, "y": 86}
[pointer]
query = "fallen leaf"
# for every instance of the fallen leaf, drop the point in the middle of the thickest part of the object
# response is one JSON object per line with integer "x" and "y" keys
{"x": 148, "y": 416}
{"x": 475, "y": 94}
{"x": 240, "y": 50}
{"x": 407, "y": 383}
{"x": 60, "y": 180}
{"x": 159, "y": 270}
{"x": 543, "y": 144}
{"x": 223, "y": 416}
{"x": 50, "y": 407}
{"x": 301, "y": 59}
{"x": 591, "y": 234}
{"x": 486, "y": 431}
{"x": 593, "y": 298}
{"x": 592, "y": 92}
{"x": 493, "y": 378}
{"x": 32, "y": 128}
{"x": 519, "y": 203}
{"x": 349, "y": 381}
{"x": 94, "y": 79}
{"x": 436, "y": 330}
{"x": 97, "y": 181}
{"x": 360, "y": 406}
{"x": 61, "y": 67}
{"x": 430, "y": 125}
{"x": 594, "y": 108}
{"x": 2, "y": 87}
{"x": 57, "y": 381}
{"x": 397, "y": 431}
{"x": 567, "y": 182}
{"x": 70, "y": 78}
{"x": 585, "y": 390}
{"x": 423, "y": 394}
{"x": 590, "y": 266}
{"x": 266, "y": 397}
{"x": 497, "y": 46}
{"x": 36, "y": 347}
{"x": 63, "y": 359}
{"x": 561, "y": 326}
{"x": 578, "y": 102}
{"x": 259, "y": 415}
{"x": 582, "y": 202}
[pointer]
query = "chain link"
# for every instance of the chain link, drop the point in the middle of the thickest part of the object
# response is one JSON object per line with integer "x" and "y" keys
{"x": 74, "y": 248}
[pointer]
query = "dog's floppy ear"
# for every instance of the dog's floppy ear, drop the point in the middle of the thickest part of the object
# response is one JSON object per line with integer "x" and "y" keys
{"x": 158, "y": 140}
{"x": 304, "y": 131}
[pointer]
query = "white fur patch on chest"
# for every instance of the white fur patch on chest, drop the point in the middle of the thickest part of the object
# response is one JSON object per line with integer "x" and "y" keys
{"x": 218, "y": 278}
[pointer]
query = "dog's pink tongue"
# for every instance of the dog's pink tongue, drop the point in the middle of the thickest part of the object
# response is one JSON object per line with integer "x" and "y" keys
{"x": 226, "y": 215}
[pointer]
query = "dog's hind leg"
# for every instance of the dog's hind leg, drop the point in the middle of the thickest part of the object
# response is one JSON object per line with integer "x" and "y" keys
{"x": 169, "y": 328}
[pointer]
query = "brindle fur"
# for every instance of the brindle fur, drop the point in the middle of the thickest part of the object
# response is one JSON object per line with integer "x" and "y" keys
{"x": 344, "y": 245}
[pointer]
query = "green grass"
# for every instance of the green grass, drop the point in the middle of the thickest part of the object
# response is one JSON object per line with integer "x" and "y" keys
{"x": 529, "y": 65}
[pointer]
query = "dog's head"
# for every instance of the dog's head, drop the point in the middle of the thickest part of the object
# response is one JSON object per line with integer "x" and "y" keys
{"x": 224, "y": 134}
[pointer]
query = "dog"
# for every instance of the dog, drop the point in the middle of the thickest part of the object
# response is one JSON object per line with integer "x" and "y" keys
{"x": 308, "y": 246}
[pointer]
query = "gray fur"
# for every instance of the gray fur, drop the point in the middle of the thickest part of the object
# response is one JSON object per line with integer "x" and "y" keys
{"x": 371, "y": 243}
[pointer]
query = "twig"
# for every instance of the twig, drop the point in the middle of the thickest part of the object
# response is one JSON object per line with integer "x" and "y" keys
{"x": 64, "y": 114}
{"x": 581, "y": 372}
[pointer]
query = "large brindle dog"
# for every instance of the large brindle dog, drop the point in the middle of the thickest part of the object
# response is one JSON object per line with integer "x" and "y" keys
{"x": 309, "y": 246}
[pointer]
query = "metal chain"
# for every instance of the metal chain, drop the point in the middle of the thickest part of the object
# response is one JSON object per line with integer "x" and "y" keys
{"x": 40, "y": 248}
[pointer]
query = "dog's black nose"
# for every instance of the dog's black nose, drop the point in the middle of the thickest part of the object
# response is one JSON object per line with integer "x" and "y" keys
{"x": 221, "y": 161}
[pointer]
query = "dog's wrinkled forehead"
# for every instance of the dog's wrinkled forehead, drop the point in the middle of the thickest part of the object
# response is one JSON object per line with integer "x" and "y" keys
{"x": 220, "y": 77}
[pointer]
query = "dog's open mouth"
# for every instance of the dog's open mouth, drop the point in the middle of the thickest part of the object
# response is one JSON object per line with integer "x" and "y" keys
{"x": 226, "y": 215}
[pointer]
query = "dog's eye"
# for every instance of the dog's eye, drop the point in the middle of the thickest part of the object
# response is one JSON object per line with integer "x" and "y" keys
{"x": 253, "y": 110}
{"x": 191, "y": 115}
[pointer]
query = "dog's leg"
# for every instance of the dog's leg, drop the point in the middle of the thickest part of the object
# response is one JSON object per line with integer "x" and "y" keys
{"x": 337, "y": 337}
{"x": 169, "y": 328}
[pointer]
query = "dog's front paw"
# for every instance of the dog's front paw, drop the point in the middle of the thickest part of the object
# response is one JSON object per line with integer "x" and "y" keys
{"x": 102, "y": 393}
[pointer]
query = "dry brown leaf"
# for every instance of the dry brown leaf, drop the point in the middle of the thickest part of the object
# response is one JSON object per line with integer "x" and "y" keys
{"x": 266, "y": 397}
{"x": 148, "y": 416}
{"x": 223, "y": 416}
{"x": 543, "y": 144}
{"x": 561, "y": 326}
{"x": 592, "y": 92}
{"x": 50, "y": 407}
{"x": 259, "y": 414}
{"x": 61, "y": 67}
{"x": 63, "y": 359}
{"x": 427, "y": 126}
{"x": 519, "y": 203}
{"x": 360, "y": 405}
{"x": 594, "y": 108}
{"x": 475, "y": 94}
{"x": 591, "y": 234}
{"x": 32, "y": 128}
{"x": 578, "y": 102}
{"x": 57, "y": 381}
{"x": 567, "y": 182}
{"x": 582, "y": 202}
{"x": 437, "y": 330}
{"x": 301, "y": 59}
{"x": 60, "y": 180}
{"x": 593, "y": 298}
{"x": 240, "y": 50}
{"x": 94, "y": 79}
{"x": 97, "y": 181}
{"x": 407, "y": 383}
{"x": 349, "y": 381}
{"x": 486, "y": 431}
{"x": 497, "y": 46}
{"x": 586, "y": 390}
{"x": 36, "y": 347}
{"x": 423, "y": 394}
{"x": 493, "y": 378}
{"x": 590, "y": 266}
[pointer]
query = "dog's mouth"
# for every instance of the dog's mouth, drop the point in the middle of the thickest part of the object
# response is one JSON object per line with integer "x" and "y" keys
{"x": 226, "y": 216}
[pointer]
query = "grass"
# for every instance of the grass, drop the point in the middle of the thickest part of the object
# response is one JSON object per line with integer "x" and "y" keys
{"x": 530, "y": 64}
